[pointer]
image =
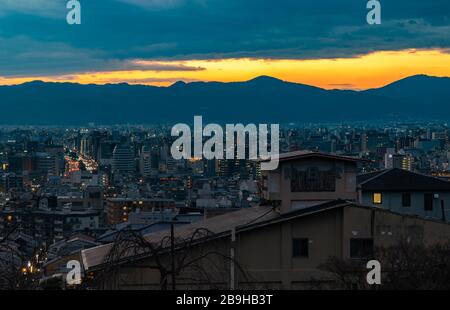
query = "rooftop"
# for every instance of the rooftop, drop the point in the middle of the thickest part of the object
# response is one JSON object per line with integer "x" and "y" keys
{"x": 312, "y": 154}
{"x": 400, "y": 180}
{"x": 218, "y": 226}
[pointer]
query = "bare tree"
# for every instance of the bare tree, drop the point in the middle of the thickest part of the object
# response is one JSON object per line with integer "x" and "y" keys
{"x": 404, "y": 266}
{"x": 198, "y": 259}
{"x": 11, "y": 261}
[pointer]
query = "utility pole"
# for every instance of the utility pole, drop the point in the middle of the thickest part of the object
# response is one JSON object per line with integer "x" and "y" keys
{"x": 172, "y": 252}
{"x": 232, "y": 261}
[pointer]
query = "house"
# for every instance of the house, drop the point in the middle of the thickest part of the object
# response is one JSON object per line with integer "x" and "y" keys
{"x": 306, "y": 178}
{"x": 406, "y": 192}
{"x": 257, "y": 248}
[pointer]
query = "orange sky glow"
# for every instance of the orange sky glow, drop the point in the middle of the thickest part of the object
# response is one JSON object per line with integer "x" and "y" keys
{"x": 368, "y": 71}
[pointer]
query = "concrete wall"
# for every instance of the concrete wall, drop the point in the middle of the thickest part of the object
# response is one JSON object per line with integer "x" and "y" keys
{"x": 266, "y": 253}
{"x": 388, "y": 229}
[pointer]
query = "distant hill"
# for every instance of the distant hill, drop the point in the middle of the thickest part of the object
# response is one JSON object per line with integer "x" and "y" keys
{"x": 417, "y": 87}
{"x": 263, "y": 99}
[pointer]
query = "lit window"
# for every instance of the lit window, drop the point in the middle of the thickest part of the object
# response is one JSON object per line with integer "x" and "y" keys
{"x": 377, "y": 199}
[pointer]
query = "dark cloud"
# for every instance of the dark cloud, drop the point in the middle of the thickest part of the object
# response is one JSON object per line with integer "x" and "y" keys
{"x": 113, "y": 32}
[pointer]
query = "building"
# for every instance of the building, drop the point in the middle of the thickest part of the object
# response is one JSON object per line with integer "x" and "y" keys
{"x": 145, "y": 162}
{"x": 106, "y": 151}
{"x": 48, "y": 225}
{"x": 389, "y": 158}
{"x": 400, "y": 161}
{"x": 46, "y": 164}
{"x": 20, "y": 163}
{"x": 123, "y": 159}
{"x": 372, "y": 139}
{"x": 259, "y": 248}
{"x": 306, "y": 178}
{"x": 90, "y": 199}
{"x": 405, "y": 192}
{"x": 118, "y": 209}
{"x": 11, "y": 181}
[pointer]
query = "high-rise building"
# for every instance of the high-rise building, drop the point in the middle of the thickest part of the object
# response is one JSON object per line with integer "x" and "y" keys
{"x": 405, "y": 142}
{"x": 10, "y": 181}
{"x": 372, "y": 139}
{"x": 171, "y": 165}
{"x": 46, "y": 164}
{"x": 402, "y": 162}
{"x": 123, "y": 159}
{"x": 389, "y": 158}
{"x": 145, "y": 162}
{"x": 20, "y": 162}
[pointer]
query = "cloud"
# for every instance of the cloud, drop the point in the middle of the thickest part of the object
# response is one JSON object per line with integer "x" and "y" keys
{"x": 156, "y": 4}
{"x": 158, "y": 66}
{"x": 151, "y": 80}
{"x": 165, "y": 4}
{"x": 46, "y": 8}
{"x": 50, "y": 58}
{"x": 116, "y": 32}
{"x": 23, "y": 55}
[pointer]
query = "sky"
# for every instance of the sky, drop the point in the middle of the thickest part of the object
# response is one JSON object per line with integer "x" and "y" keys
{"x": 325, "y": 43}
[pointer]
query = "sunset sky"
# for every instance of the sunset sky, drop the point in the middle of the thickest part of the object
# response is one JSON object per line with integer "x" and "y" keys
{"x": 322, "y": 43}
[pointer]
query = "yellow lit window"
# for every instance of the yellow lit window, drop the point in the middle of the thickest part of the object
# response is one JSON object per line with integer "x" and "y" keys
{"x": 377, "y": 198}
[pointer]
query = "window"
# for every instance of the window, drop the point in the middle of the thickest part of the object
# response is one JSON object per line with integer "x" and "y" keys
{"x": 300, "y": 247}
{"x": 313, "y": 180}
{"x": 361, "y": 248}
{"x": 377, "y": 198}
{"x": 428, "y": 202}
{"x": 406, "y": 200}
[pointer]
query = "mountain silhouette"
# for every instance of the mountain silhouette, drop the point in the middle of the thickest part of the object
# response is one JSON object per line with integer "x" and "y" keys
{"x": 421, "y": 87}
{"x": 262, "y": 99}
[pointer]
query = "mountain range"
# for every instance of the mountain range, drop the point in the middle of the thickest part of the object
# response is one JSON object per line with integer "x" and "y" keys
{"x": 263, "y": 99}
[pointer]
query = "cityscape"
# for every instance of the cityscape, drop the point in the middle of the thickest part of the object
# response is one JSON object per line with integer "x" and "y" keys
{"x": 224, "y": 152}
{"x": 70, "y": 193}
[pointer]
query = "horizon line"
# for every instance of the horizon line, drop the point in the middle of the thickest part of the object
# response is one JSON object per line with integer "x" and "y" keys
{"x": 219, "y": 82}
